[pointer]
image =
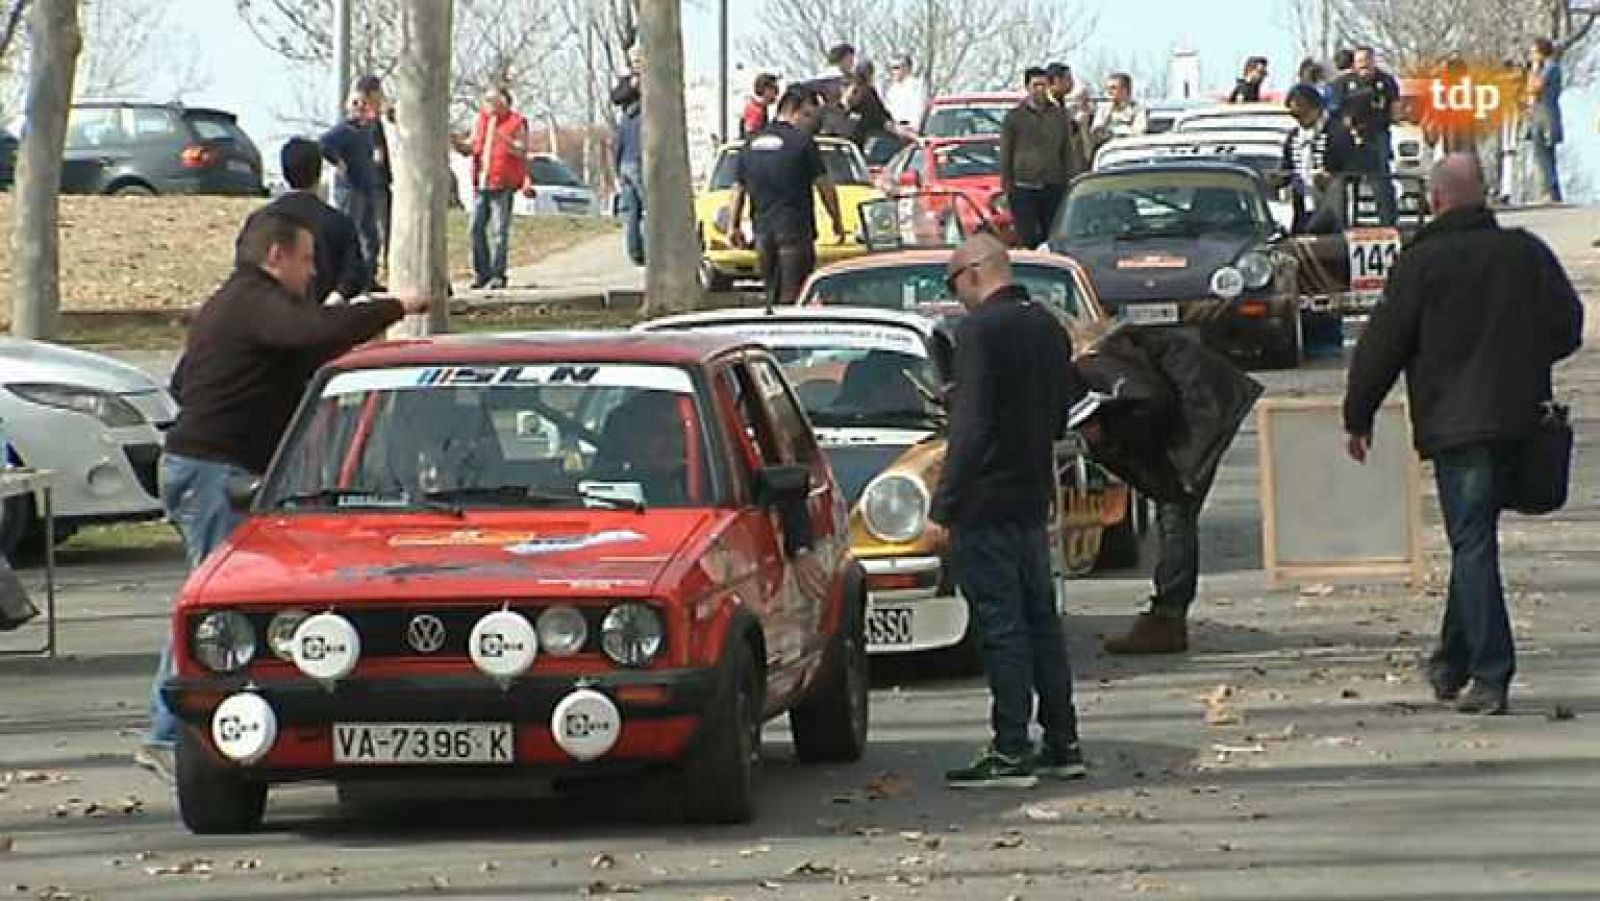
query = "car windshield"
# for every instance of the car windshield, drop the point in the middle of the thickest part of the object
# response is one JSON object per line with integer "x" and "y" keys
{"x": 551, "y": 436}
{"x": 1162, "y": 204}
{"x": 963, "y": 121}
{"x": 919, "y": 285}
{"x": 967, "y": 160}
{"x": 843, "y": 162}
{"x": 546, "y": 171}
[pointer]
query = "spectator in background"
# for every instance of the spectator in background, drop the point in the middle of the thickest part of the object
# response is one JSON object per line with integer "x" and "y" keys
{"x": 371, "y": 86}
{"x": 352, "y": 148}
{"x": 870, "y": 121}
{"x": 1315, "y": 75}
{"x": 342, "y": 269}
{"x": 756, "y": 116}
{"x": 1365, "y": 98}
{"x": 1316, "y": 154}
{"x": 628, "y": 161}
{"x": 907, "y": 94}
{"x": 498, "y": 147}
{"x": 1344, "y": 62}
{"x": 1121, "y": 117}
{"x": 1476, "y": 316}
{"x": 1041, "y": 152}
{"x": 1248, "y": 88}
{"x": 1543, "y": 128}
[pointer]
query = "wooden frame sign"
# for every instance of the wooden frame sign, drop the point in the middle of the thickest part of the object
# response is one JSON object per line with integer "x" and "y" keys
{"x": 1326, "y": 518}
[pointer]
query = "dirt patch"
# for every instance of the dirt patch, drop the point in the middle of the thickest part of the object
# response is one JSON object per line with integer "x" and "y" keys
{"x": 153, "y": 253}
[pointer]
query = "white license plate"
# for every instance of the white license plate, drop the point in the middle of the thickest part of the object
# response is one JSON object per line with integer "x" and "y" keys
{"x": 890, "y": 625}
{"x": 1150, "y": 313}
{"x": 411, "y": 744}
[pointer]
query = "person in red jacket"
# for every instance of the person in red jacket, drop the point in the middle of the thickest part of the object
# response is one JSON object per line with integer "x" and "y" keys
{"x": 498, "y": 146}
{"x": 756, "y": 109}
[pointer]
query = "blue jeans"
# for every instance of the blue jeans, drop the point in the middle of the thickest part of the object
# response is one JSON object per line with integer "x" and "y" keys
{"x": 1003, "y": 571}
{"x": 491, "y": 213}
{"x": 1544, "y": 158}
{"x": 1475, "y": 638}
{"x": 362, "y": 206}
{"x": 632, "y": 201}
{"x": 195, "y": 495}
{"x": 1382, "y": 185}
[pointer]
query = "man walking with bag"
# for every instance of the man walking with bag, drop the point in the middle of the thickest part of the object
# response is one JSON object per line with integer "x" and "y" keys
{"x": 1476, "y": 316}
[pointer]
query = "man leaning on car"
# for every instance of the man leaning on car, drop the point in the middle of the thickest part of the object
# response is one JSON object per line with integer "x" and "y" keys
{"x": 251, "y": 350}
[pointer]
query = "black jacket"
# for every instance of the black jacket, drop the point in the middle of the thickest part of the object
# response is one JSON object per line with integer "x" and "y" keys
{"x": 1014, "y": 384}
{"x": 251, "y": 350}
{"x": 1040, "y": 146}
{"x": 1178, "y": 407}
{"x": 340, "y": 264}
{"x": 1475, "y": 316}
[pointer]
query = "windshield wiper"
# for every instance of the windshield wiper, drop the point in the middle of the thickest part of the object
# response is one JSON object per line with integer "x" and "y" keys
{"x": 522, "y": 494}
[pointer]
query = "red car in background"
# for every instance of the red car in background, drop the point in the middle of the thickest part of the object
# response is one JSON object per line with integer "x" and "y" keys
{"x": 969, "y": 115}
{"x": 935, "y": 168}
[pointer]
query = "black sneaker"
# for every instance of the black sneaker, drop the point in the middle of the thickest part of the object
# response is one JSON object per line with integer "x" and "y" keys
{"x": 993, "y": 770}
{"x": 1060, "y": 763}
{"x": 1483, "y": 700}
{"x": 1446, "y": 684}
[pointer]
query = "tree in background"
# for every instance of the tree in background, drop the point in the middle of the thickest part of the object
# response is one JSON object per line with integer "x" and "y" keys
{"x": 672, "y": 249}
{"x": 136, "y": 48}
{"x": 422, "y": 146}
{"x": 975, "y": 45}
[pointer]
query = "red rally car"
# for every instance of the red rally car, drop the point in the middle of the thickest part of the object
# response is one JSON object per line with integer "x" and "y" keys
{"x": 968, "y": 167}
{"x": 538, "y": 556}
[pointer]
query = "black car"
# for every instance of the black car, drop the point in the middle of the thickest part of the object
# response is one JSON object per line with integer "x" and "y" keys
{"x": 1191, "y": 245}
{"x": 118, "y": 147}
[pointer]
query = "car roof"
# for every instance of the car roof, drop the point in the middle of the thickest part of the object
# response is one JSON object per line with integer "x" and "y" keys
{"x": 977, "y": 97}
{"x": 1173, "y": 166}
{"x": 544, "y": 347}
{"x": 959, "y": 140}
{"x": 822, "y": 141}
{"x": 108, "y": 102}
{"x": 855, "y": 315}
{"x": 939, "y": 255}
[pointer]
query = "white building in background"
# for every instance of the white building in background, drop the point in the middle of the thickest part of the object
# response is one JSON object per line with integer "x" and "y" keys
{"x": 1183, "y": 75}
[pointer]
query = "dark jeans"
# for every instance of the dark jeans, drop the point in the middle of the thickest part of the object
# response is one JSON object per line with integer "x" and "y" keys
{"x": 491, "y": 235}
{"x": 1475, "y": 638}
{"x": 362, "y": 208}
{"x": 786, "y": 263}
{"x": 1177, "y": 572}
{"x": 1544, "y": 158}
{"x": 631, "y": 188}
{"x": 1382, "y": 185}
{"x": 1003, "y": 571}
{"x": 383, "y": 203}
{"x": 1033, "y": 211}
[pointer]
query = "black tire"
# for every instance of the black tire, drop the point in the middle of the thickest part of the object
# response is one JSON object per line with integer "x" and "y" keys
{"x": 16, "y": 517}
{"x": 720, "y": 775}
{"x": 132, "y": 189}
{"x": 1122, "y": 544}
{"x": 214, "y": 799}
{"x": 830, "y": 725}
{"x": 1287, "y": 352}
{"x": 712, "y": 281}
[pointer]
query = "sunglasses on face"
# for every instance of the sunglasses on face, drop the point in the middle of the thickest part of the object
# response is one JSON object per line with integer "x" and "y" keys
{"x": 954, "y": 276}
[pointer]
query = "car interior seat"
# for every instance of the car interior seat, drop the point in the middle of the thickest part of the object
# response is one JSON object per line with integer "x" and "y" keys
{"x": 644, "y": 441}
{"x": 878, "y": 381}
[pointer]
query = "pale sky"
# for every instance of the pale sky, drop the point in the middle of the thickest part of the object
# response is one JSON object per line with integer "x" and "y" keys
{"x": 253, "y": 82}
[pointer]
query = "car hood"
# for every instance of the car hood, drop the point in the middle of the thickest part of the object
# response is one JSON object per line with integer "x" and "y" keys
{"x": 347, "y": 557}
{"x": 1155, "y": 268}
{"x": 859, "y": 455}
{"x": 23, "y": 360}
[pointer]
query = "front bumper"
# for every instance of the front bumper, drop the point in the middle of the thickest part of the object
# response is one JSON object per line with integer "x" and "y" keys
{"x": 1246, "y": 329}
{"x": 103, "y": 474}
{"x": 746, "y": 264}
{"x": 660, "y": 712}
{"x": 912, "y": 606}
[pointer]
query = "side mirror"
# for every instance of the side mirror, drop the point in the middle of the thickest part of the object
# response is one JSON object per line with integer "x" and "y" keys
{"x": 781, "y": 486}
{"x": 241, "y": 490}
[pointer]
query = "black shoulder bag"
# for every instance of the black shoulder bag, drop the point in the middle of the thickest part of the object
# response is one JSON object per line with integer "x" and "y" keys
{"x": 1540, "y": 477}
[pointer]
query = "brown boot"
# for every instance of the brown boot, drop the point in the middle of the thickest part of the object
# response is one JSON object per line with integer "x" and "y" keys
{"x": 1152, "y": 634}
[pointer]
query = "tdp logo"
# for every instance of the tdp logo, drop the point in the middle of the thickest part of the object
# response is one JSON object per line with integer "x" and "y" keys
{"x": 509, "y": 375}
{"x": 1465, "y": 96}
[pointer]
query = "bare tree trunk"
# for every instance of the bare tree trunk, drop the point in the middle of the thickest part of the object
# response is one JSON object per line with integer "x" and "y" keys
{"x": 36, "y": 240}
{"x": 418, "y": 260}
{"x": 671, "y": 248}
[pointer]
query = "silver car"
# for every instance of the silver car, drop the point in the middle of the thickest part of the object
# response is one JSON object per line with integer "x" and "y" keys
{"x": 95, "y": 421}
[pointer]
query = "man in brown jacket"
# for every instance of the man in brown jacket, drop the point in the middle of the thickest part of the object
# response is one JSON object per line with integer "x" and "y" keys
{"x": 1041, "y": 152}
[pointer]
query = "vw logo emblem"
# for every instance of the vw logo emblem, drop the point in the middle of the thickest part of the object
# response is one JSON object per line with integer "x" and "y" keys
{"x": 425, "y": 634}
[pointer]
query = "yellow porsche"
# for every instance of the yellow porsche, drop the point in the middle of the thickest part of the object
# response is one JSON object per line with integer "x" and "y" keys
{"x": 721, "y": 263}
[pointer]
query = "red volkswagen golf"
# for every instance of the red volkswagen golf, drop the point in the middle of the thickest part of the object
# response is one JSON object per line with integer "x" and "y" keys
{"x": 554, "y": 556}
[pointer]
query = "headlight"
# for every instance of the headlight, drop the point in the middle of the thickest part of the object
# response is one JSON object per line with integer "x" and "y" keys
{"x": 631, "y": 635}
{"x": 1227, "y": 283}
{"x": 1256, "y": 267}
{"x": 895, "y": 508}
{"x": 224, "y": 642}
{"x": 280, "y": 633}
{"x": 562, "y": 631}
{"x": 111, "y": 410}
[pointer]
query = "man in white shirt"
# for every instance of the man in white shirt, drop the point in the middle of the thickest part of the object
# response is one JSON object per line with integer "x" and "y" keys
{"x": 1123, "y": 116}
{"x": 907, "y": 95}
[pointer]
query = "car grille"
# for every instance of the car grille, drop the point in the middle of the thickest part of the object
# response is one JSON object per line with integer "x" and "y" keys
{"x": 383, "y": 629}
{"x": 145, "y": 459}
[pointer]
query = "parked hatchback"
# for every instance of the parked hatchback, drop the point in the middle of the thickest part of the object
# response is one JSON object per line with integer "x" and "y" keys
{"x": 134, "y": 148}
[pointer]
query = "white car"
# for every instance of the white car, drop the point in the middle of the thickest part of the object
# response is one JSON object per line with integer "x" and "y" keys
{"x": 1408, "y": 146}
{"x": 1260, "y": 149}
{"x": 557, "y": 189}
{"x": 95, "y": 421}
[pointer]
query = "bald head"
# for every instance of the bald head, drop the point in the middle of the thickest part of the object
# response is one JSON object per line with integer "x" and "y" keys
{"x": 1455, "y": 182}
{"x": 978, "y": 268}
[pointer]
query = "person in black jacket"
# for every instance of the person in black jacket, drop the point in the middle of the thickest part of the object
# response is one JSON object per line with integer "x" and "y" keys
{"x": 1248, "y": 88}
{"x": 251, "y": 350}
{"x": 341, "y": 267}
{"x": 1318, "y": 157}
{"x": 1475, "y": 316}
{"x": 1163, "y": 412}
{"x": 1014, "y": 383}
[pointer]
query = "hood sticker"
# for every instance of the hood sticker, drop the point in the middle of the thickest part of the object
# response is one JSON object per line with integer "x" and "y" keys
{"x": 557, "y": 544}
{"x": 1153, "y": 261}
{"x": 523, "y": 544}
